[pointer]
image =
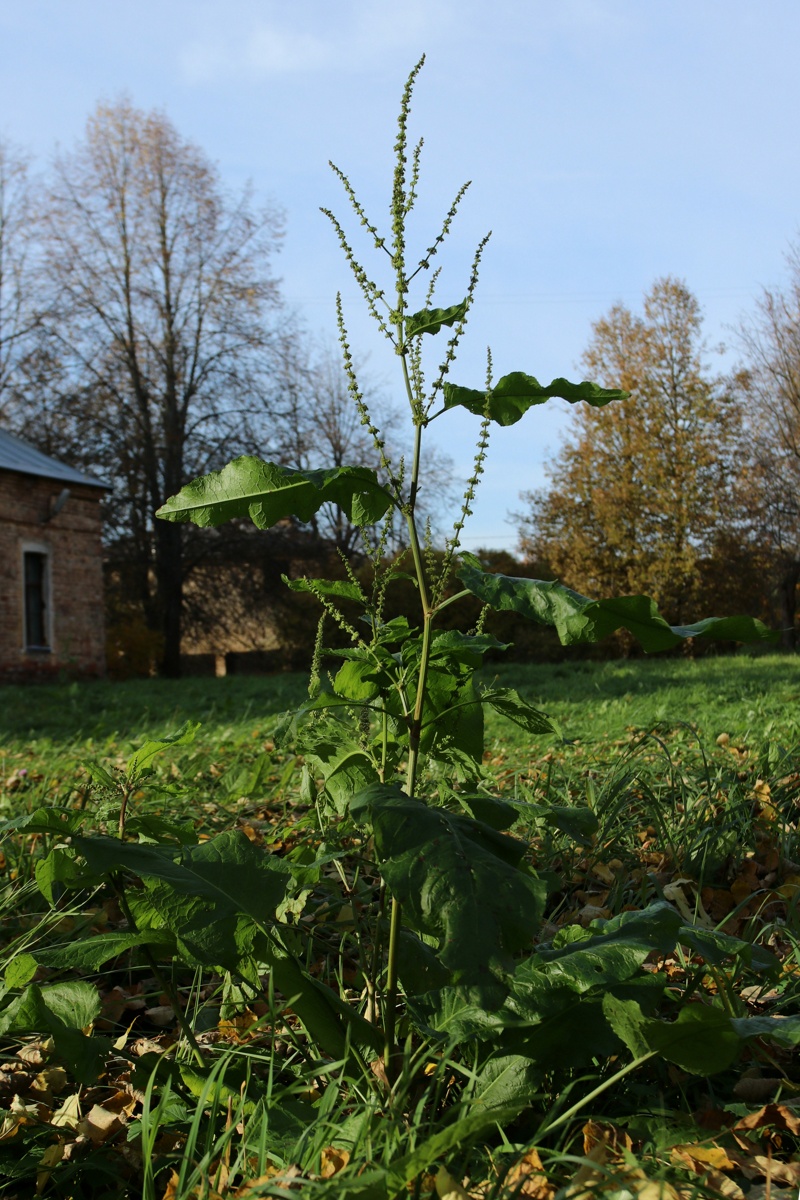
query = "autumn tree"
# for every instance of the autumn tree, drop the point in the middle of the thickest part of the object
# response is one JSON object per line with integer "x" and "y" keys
{"x": 642, "y": 491}
{"x": 154, "y": 334}
{"x": 770, "y": 387}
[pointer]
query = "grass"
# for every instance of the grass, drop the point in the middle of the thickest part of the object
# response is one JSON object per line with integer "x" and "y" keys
{"x": 690, "y": 775}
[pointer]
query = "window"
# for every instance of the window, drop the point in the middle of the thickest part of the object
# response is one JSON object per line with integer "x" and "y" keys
{"x": 37, "y": 634}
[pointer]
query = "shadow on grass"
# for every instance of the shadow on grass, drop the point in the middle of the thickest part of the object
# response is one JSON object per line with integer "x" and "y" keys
{"x": 101, "y": 709}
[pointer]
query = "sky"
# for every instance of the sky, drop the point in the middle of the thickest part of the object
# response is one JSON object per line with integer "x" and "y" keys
{"x": 609, "y": 143}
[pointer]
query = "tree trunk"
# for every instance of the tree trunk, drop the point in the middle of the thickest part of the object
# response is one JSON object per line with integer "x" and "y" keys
{"x": 787, "y": 605}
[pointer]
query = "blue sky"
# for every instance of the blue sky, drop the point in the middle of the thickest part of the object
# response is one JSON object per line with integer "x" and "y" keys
{"x": 609, "y": 142}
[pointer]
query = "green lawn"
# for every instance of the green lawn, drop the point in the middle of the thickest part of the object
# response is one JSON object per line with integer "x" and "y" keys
{"x": 674, "y": 790}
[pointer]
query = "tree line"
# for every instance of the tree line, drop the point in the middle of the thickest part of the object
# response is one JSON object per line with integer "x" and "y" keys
{"x": 143, "y": 339}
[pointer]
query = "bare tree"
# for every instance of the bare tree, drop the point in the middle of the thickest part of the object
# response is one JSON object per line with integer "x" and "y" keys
{"x": 18, "y": 225}
{"x": 156, "y": 336}
{"x": 317, "y": 425}
{"x": 770, "y": 384}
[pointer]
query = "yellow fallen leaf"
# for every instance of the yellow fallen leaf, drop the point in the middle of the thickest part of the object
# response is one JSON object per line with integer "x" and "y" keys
{"x": 527, "y": 1178}
{"x": 333, "y": 1161}
{"x": 51, "y": 1158}
{"x": 69, "y": 1114}
{"x": 699, "y": 1157}
{"x": 603, "y": 872}
{"x": 448, "y": 1188}
{"x": 99, "y": 1124}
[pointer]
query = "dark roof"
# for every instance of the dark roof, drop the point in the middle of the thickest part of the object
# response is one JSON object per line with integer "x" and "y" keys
{"x": 16, "y": 455}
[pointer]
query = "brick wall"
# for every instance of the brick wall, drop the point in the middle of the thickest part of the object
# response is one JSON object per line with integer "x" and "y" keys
{"x": 71, "y": 541}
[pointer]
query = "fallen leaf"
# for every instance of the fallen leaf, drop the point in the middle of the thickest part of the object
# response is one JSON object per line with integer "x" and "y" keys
{"x": 99, "y": 1124}
{"x": 527, "y": 1178}
{"x": 448, "y": 1188}
{"x": 773, "y": 1116}
{"x": 700, "y": 1157}
{"x": 333, "y": 1161}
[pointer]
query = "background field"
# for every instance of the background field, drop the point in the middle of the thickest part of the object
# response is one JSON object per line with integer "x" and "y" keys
{"x": 602, "y": 708}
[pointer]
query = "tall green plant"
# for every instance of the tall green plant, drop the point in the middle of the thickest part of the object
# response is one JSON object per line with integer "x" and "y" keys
{"x": 393, "y": 737}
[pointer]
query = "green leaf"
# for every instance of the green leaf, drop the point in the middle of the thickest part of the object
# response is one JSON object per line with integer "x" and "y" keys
{"x": 332, "y": 1023}
{"x": 784, "y": 1030}
{"x": 507, "y": 1079}
{"x": 627, "y": 1020}
{"x": 609, "y": 952}
{"x": 465, "y": 648}
{"x": 341, "y": 589}
{"x": 61, "y": 821}
{"x": 357, "y": 681}
{"x": 456, "y": 1135}
{"x": 458, "y": 881}
{"x": 20, "y": 971}
{"x": 417, "y": 965}
{"x": 268, "y": 493}
{"x": 229, "y": 871}
{"x": 59, "y": 868}
{"x": 702, "y": 1041}
{"x": 579, "y": 620}
{"x": 580, "y": 824}
{"x": 499, "y": 814}
{"x": 145, "y": 755}
{"x": 101, "y": 948}
{"x": 61, "y": 1010}
{"x": 431, "y": 320}
{"x": 514, "y": 394}
{"x": 717, "y": 947}
{"x": 510, "y": 704}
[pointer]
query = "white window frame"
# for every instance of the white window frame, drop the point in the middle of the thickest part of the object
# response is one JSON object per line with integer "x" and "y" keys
{"x": 46, "y": 551}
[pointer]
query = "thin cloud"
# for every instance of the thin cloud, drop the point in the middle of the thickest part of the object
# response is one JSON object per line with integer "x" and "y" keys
{"x": 355, "y": 38}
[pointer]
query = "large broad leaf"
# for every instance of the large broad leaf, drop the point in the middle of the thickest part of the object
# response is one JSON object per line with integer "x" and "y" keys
{"x": 509, "y": 702}
{"x": 514, "y": 394}
{"x": 431, "y": 320}
{"x": 101, "y": 948}
{"x": 701, "y": 1041}
{"x": 229, "y": 872}
{"x": 61, "y": 1010}
{"x": 61, "y": 821}
{"x": 578, "y": 619}
{"x": 611, "y": 954}
{"x": 266, "y": 492}
{"x": 458, "y": 880}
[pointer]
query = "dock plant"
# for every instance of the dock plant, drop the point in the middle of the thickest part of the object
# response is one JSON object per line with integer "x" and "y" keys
{"x": 456, "y": 979}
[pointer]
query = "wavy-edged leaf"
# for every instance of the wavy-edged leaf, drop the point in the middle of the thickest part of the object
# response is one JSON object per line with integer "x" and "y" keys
{"x": 145, "y": 755}
{"x": 93, "y": 952}
{"x": 515, "y": 393}
{"x": 61, "y": 1010}
{"x": 63, "y": 821}
{"x": 458, "y": 880}
{"x": 431, "y": 320}
{"x": 510, "y": 704}
{"x": 266, "y": 493}
{"x": 702, "y": 1040}
{"x": 341, "y": 589}
{"x": 578, "y": 619}
{"x": 228, "y": 871}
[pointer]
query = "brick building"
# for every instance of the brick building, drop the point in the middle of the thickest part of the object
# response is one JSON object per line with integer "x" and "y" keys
{"x": 51, "y": 566}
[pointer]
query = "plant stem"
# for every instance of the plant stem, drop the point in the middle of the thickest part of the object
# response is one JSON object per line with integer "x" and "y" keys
{"x": 390, "y": 996}
{"x": 598, "y": 1091}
